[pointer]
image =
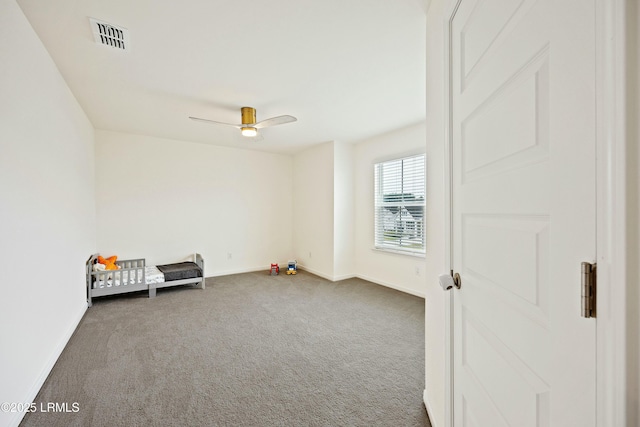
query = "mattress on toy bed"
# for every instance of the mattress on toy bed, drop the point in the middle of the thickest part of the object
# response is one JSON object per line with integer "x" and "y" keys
{"x": 153, "y": 275}
{"x": 180, "y": 271}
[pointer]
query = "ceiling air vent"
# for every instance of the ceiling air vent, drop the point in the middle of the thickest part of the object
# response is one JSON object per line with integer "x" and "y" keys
{"x": 109, "y": 35}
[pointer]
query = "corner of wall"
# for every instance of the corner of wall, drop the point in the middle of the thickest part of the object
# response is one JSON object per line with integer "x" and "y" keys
{"x": 313, "y": 208}
{"x": 343, "y": 211}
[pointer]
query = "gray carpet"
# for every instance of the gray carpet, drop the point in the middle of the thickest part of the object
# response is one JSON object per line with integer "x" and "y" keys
{"x": 249, "y": 350}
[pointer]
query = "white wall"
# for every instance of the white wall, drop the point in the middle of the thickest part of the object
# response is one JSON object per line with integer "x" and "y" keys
{"x": 343, "y": 211}
{"x": 434, "y": 296}
{"x": 403, "y": 272}
{"x": 163, "y": 200}
{"x": 47, "y": 211}
{"x": 633, "y": 214}
{"x": 313, "y": 209}
{"x": 323, "y": 210}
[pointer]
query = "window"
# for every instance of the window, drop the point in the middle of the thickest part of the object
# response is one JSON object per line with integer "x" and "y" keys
{"x": 400, "y": 204}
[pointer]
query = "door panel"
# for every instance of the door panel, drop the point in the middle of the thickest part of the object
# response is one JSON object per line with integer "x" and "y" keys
{"x": 523, "y": 213}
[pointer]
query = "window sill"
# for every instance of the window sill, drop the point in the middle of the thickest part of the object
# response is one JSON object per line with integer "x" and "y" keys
{"x": 398, "y": 252}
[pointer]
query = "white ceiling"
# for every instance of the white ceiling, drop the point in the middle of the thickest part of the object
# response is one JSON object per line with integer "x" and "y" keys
{"x": 347, "y": 70}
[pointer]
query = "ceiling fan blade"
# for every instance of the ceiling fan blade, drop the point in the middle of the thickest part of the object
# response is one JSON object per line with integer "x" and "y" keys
{"x": 273, "y": 121}
{"x": 257, "y": 138}
{"x": 214, "y": 122}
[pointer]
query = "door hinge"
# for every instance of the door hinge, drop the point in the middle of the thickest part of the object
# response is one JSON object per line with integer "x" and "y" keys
{"x": 588, "y": 274}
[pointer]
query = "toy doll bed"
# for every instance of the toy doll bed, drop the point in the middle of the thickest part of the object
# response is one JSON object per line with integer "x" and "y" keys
{"x": 134, "y": 275}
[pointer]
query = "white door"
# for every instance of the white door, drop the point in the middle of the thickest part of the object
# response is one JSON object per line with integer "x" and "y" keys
{"x": 522, "y": 99}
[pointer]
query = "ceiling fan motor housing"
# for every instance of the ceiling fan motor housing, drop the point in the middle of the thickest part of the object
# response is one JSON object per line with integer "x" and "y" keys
{"x": 248, "y": 115}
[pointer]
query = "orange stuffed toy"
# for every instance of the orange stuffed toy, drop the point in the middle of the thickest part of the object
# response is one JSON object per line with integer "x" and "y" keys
{"x": 110, "y": 263}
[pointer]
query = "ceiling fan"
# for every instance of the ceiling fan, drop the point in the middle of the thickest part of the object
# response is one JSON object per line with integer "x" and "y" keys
{"x": 249, "y": 127}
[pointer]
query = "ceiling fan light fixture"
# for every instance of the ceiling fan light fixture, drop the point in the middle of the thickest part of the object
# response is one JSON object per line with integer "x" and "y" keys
{"x": 249, "y": 126}
{"x": 249, "y": 131}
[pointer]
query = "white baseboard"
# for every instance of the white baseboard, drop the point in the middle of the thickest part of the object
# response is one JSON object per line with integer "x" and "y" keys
{"x": 265, "y": 267}
{"x": 343, "y": 277}
{"x": 428, "y": 407}
{"x": 363, "y": 277}
{"x": 316, "y": 272}
{"x": 283, "y": 269}
{"x": 324, "y": 276}
{"x": 391, "y": 285}
{"x": 239, "y": 271}
{"x": 57, "y": 351}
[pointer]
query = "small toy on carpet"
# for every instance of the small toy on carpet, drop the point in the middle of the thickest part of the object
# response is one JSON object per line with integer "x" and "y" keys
{"x": 275, "y": 270}
{"x": 293, "y": 267}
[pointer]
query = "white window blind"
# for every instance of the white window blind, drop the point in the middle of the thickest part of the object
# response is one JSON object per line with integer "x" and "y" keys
{"x": 400, "y": 204}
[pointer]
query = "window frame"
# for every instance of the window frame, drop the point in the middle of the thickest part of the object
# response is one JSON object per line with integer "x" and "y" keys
{"x": 405, "y": 244}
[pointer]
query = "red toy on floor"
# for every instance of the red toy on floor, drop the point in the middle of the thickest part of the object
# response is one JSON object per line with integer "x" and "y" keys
{"x": 275, "y": 270}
